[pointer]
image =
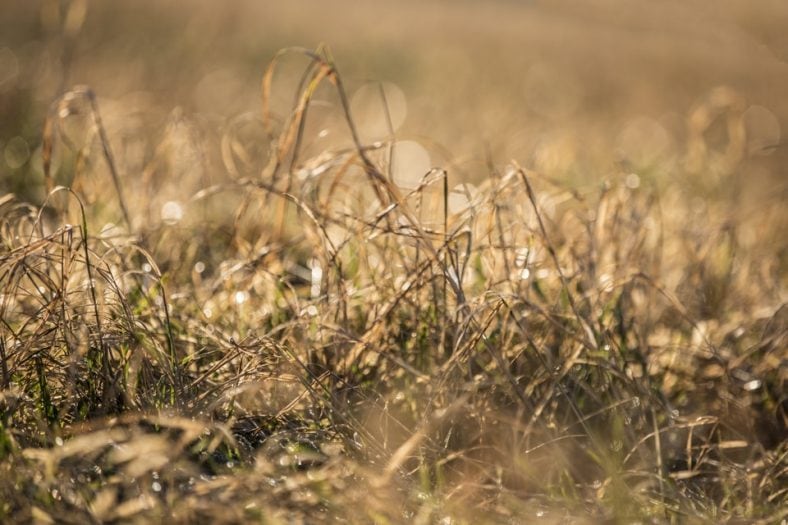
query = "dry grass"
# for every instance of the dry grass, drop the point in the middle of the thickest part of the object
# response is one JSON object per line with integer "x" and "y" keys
{"x": 245, "y": 322}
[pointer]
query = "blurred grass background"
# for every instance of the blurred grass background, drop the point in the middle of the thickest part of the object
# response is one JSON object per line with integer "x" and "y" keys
{"x": 573, "y": 88}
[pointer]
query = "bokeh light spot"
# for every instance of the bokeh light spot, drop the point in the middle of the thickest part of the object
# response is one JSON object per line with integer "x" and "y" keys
{"x": 409, "y": 162}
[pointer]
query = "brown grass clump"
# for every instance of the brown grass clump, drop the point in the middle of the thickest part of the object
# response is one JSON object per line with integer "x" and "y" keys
{"x": 297, "y": 338}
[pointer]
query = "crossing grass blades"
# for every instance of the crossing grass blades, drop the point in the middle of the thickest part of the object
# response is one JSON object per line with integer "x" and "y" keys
{"x": 310, "y": 342}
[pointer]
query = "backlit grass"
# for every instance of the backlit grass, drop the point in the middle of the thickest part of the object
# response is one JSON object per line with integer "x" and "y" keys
{"x": 236, "y": 324}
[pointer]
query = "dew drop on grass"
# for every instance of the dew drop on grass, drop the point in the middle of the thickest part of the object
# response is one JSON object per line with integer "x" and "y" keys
{"x": 156, "y": 486}
{"x": 753, "y": 385}
{"x": 171, "y": 212}
{"x": 241, "y": 297}
{"x": 199, "y": 267}
{"x": 525, "y": 273}
{"x": 147, "y": 268}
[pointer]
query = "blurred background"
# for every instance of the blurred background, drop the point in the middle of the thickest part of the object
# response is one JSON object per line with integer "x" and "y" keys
{"x": 581, "y": 91}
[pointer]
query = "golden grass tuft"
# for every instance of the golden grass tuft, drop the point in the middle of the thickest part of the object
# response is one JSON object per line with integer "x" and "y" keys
{"x": 298, "y": 339}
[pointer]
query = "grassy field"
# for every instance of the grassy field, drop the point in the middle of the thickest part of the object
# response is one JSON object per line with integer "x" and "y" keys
{"x": 467, "y": 262}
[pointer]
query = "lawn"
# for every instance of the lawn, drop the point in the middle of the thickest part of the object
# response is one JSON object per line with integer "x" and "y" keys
{"x": 413, "y": 262}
